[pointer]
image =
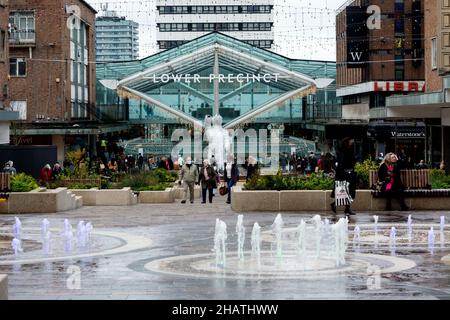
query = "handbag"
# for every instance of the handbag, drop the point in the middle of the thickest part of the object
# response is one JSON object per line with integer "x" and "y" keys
{"x": 223, "y": 190}
{"x": 342, "y": 194}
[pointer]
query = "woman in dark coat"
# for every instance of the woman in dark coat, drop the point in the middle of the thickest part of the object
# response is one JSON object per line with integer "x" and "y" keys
{"x": 207, "y": 179}
{"x": 231, "y": 175}
{"x": 345, "y": 171}
{"x": 389, "y": 176}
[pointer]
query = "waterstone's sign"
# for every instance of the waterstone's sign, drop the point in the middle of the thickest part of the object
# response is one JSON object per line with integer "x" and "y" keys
{"x": 408, "y": 134}
{"x": 221, "y": 78}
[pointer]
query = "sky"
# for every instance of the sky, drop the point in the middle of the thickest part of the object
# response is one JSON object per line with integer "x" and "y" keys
{"x": 304, "y": 29}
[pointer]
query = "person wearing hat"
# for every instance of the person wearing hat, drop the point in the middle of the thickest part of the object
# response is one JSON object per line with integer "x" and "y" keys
{"x": 9, "y": 168}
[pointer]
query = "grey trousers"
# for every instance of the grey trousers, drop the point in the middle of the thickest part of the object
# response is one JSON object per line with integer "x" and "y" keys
{"x": 190, "y": 186}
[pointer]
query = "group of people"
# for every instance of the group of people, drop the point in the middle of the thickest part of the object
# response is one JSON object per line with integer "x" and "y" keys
{"x": 208, "y": 177}
{"x": 308, "y": 164}
{"x": 389, "y": 178}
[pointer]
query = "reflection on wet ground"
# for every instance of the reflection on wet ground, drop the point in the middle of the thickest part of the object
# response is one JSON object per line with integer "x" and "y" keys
{"x": 165, "y": 252}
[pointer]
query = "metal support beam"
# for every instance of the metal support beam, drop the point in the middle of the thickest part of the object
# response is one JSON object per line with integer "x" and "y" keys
{"x": 163, "y": 106}
{"x": 194, "y": 92}
{"x": 259, "y": 110}
{"x": 236, "y": 92}
{"x": 216, "y": 82}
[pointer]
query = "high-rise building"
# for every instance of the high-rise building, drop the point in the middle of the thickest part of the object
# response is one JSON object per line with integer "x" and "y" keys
{"x": 179, "y": 21}
{"x": 116, "y": 38}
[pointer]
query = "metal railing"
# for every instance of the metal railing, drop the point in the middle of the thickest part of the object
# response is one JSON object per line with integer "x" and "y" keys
{"x": 22, "y": 37}
{"x": 325, "y": 112}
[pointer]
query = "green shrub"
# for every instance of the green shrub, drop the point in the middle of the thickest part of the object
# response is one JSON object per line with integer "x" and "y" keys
{"x": 362, "y": 171}
{"x": 316, "y": 181}
{"x": 439, "y": 180}
{"x": 164, "y": 175}
{"x": 83, "y": 186}
{"x": 156, "y": 187}
{"x": 22, "y": 182}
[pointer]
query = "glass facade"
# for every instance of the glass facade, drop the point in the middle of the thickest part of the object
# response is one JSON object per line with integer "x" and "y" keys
{"x": 182, "y": 81}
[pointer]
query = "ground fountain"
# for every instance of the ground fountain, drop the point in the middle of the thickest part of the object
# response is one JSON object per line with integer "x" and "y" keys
{"x": 393, "y": 240}
{"x": 256, "y": 243}
{"x": 357, "y": 237}
{"x": 302, "y": 239}
{"x": 220, "y": 238}
{"x": 318, "y": 233}
{"x": 240, "y": 230}
{"x": 16, "y": 246}
{"x": 81, "y": 234}
{"x": 17, "y": 229}
{"x": 277, "y": 229}
{"x": 375, "y": 229}
{"x": 442, "y": 231}
{"x": 431, "y": 240}
{"x": 410, "y": 230}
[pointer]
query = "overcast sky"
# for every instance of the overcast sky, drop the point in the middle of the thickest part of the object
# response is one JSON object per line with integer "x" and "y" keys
{"x": 304, "y": 29}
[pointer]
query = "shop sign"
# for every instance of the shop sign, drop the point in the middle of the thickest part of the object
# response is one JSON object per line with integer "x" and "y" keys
{"x": 405, "y": 86}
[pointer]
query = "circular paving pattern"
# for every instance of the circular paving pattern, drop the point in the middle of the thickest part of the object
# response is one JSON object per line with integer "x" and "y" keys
{"x": 102, "y": 243}
{"x": 290, "y": 266}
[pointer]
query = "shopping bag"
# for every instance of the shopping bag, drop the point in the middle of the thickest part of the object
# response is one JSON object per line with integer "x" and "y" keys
{"x": 342, "y": 194}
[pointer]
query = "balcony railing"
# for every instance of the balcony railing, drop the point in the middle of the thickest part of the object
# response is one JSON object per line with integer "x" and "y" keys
{"x": 325, "y": 112}
{"x": 22, "y": 38}
{"x": 111, "y": 113}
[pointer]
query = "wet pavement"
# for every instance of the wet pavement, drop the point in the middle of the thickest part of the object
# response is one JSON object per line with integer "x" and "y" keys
{"x": 134, "y": 249}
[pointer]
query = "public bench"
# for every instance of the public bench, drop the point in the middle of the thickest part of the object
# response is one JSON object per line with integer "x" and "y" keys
{"x": 5, "y": 185}
{"x": 416, "y": 183}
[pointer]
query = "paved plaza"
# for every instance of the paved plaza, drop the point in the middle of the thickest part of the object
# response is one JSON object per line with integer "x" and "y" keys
{"x": 165, "y": 252}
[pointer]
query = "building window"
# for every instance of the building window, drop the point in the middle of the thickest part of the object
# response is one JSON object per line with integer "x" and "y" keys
{"x": 434, "y": 53}
{"x": 21, "y": 107}
{"x": 22, "y": 27}
{"x": 2, "y": 45}
{"x": 17, "y": 67}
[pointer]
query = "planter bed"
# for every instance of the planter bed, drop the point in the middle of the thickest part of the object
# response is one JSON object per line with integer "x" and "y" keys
{"x": 311, "y": 200}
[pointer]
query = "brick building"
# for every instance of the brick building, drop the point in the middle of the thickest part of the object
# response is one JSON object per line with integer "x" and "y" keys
{"x": 52, "y": 73}
{"x": 380, "y": 57}
{"x": 434, "y": 104}
{"x": 6, "y": 115}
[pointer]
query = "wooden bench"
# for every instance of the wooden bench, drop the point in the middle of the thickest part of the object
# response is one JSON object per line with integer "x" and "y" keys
{"x": 5, "y": 185}
{"x": 417, "y": 183}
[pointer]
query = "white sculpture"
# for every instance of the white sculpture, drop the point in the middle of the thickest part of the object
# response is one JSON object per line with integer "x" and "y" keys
{"x": 219, "y": 141}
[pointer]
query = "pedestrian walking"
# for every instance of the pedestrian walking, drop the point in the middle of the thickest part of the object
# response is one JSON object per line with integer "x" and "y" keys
{"x": 188, "y": 177}
{"x": 345, "y": 172}
{"x": 231, "y": 175}
{"x": 207, "y": 181}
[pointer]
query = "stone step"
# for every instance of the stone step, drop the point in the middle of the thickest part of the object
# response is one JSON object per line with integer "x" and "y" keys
{"x": 79, "y": 202}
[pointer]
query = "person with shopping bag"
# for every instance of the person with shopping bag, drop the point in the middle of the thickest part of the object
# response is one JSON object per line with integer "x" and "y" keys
{"x": 344, "y": 192}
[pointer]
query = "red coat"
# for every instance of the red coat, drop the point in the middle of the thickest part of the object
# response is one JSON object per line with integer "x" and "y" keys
{"x": 45, "y": 175}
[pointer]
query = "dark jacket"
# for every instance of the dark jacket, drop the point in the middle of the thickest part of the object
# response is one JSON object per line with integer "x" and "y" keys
{"x": 384, "y": 175}
{"x": 234, "y": 173}
{"x": 345, "y": 170}
{"x": 211, "y": 182}
{"x": 252, "y": 169}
